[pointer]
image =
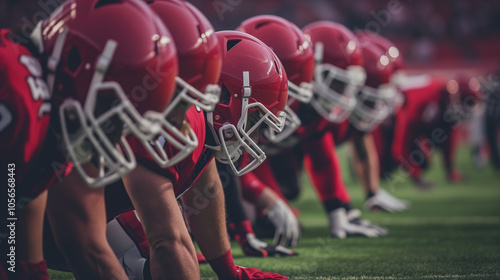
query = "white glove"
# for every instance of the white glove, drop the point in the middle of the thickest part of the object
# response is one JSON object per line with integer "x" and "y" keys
{"x": 340, "y": 227}
{"x": 354, "y": 217}
{"x": 252, "y": 246}
{"x": 287, "y": 227}
{"x": 403, "y": 204}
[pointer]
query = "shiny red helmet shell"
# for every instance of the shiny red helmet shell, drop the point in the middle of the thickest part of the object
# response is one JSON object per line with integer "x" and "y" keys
{"x": 144, "y": 63}
{"x": 287, "y": 41}
{"x": 197, "y": 46}
{"x": 377, "y": 65}
{"x": 392, "y": 52}
{"x": 340, "y": 45}
{"x": 268, "y": 79}
{"x": 466, "y": 88}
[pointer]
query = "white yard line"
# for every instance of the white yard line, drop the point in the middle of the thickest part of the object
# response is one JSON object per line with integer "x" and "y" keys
{"x": 367, "y": 277}
{"x": 431, "y": 276}
{"x": 450, "y": 220}
{"x": 471, "y": 220}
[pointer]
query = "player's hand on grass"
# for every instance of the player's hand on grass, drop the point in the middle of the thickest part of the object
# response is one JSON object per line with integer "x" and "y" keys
{"x": 287, "y": 231}
{"x": 244, "y": 273}
{"x": 340, "y": 227}
{"x": 354, "y": 217}
{"x": 385, "y": 202}
{"x": 252, "y": 246}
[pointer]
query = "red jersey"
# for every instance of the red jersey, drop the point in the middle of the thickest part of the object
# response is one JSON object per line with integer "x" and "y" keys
{"x": 423, "y": 123}
{"x": 182, "y": 175}
{"x": 24, "y": 116}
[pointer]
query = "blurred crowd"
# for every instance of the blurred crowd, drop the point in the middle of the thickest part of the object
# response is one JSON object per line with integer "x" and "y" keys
{"x": 421, "y": 28}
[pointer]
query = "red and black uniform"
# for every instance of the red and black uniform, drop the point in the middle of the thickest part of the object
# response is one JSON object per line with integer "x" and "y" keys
{"x": 424, "y": 123}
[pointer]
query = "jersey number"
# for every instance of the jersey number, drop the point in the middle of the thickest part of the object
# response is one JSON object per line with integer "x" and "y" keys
{"x": 38, "y": 87}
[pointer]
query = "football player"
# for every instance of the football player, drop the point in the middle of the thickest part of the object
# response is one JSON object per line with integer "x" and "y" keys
{"x": 365, "y": 155}
{"x": 103, "y": 88}
{"x": 492, "y": 119}
{"x": 432, "y": 109}
{"x": 295, "y": 52}
{"x": 250, "y": 96}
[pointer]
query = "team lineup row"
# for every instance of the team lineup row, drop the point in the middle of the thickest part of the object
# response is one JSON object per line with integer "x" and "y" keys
{"x": 134, "y": 127}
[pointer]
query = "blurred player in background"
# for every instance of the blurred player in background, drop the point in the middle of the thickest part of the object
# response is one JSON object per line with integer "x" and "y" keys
{"x": 492, "y": 120}
{"x": 429, "y": 118}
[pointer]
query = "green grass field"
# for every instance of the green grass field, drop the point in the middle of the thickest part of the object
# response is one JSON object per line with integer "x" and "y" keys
{"x": 450, "y": 232}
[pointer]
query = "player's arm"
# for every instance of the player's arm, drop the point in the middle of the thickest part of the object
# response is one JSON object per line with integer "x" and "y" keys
{"x": 448, "y": 149}
{"x": 366, "y": 162}
{"x": 78, "y": 219}
{"x": 204, "y": 210}
{"x": 273, "y": 204}
{"x": 171, "y": 249}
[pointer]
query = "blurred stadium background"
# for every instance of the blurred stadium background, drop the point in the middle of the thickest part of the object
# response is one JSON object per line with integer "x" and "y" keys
{"x": 443, "y": 36}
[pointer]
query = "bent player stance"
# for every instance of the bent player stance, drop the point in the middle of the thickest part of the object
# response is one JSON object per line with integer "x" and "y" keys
{"x": 433, "y": 109}
{"x": 294, "y": 51}
{"x": 153, "y": 190}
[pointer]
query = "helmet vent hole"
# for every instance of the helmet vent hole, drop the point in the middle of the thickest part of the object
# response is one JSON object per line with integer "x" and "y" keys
{"x": 74, "y": 60}
{"x": 225, "y": 95}
{"x": 103, "y": 3}
{"x": 262, "y": 24}
{"x": 231, "y": 44}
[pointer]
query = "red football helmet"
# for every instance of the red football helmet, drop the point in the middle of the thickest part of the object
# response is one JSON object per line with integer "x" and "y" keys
{"x": 395, "y": 57}
{"x": 254, "y": 91}
{"x": 108, "y": 63}
{"x": 376, "y": 98}
{"x": 200, "y": 61}
{"x": 462, "y": 94}
{"x": 338, "y": 72}
{"x": 295, "y": 52}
